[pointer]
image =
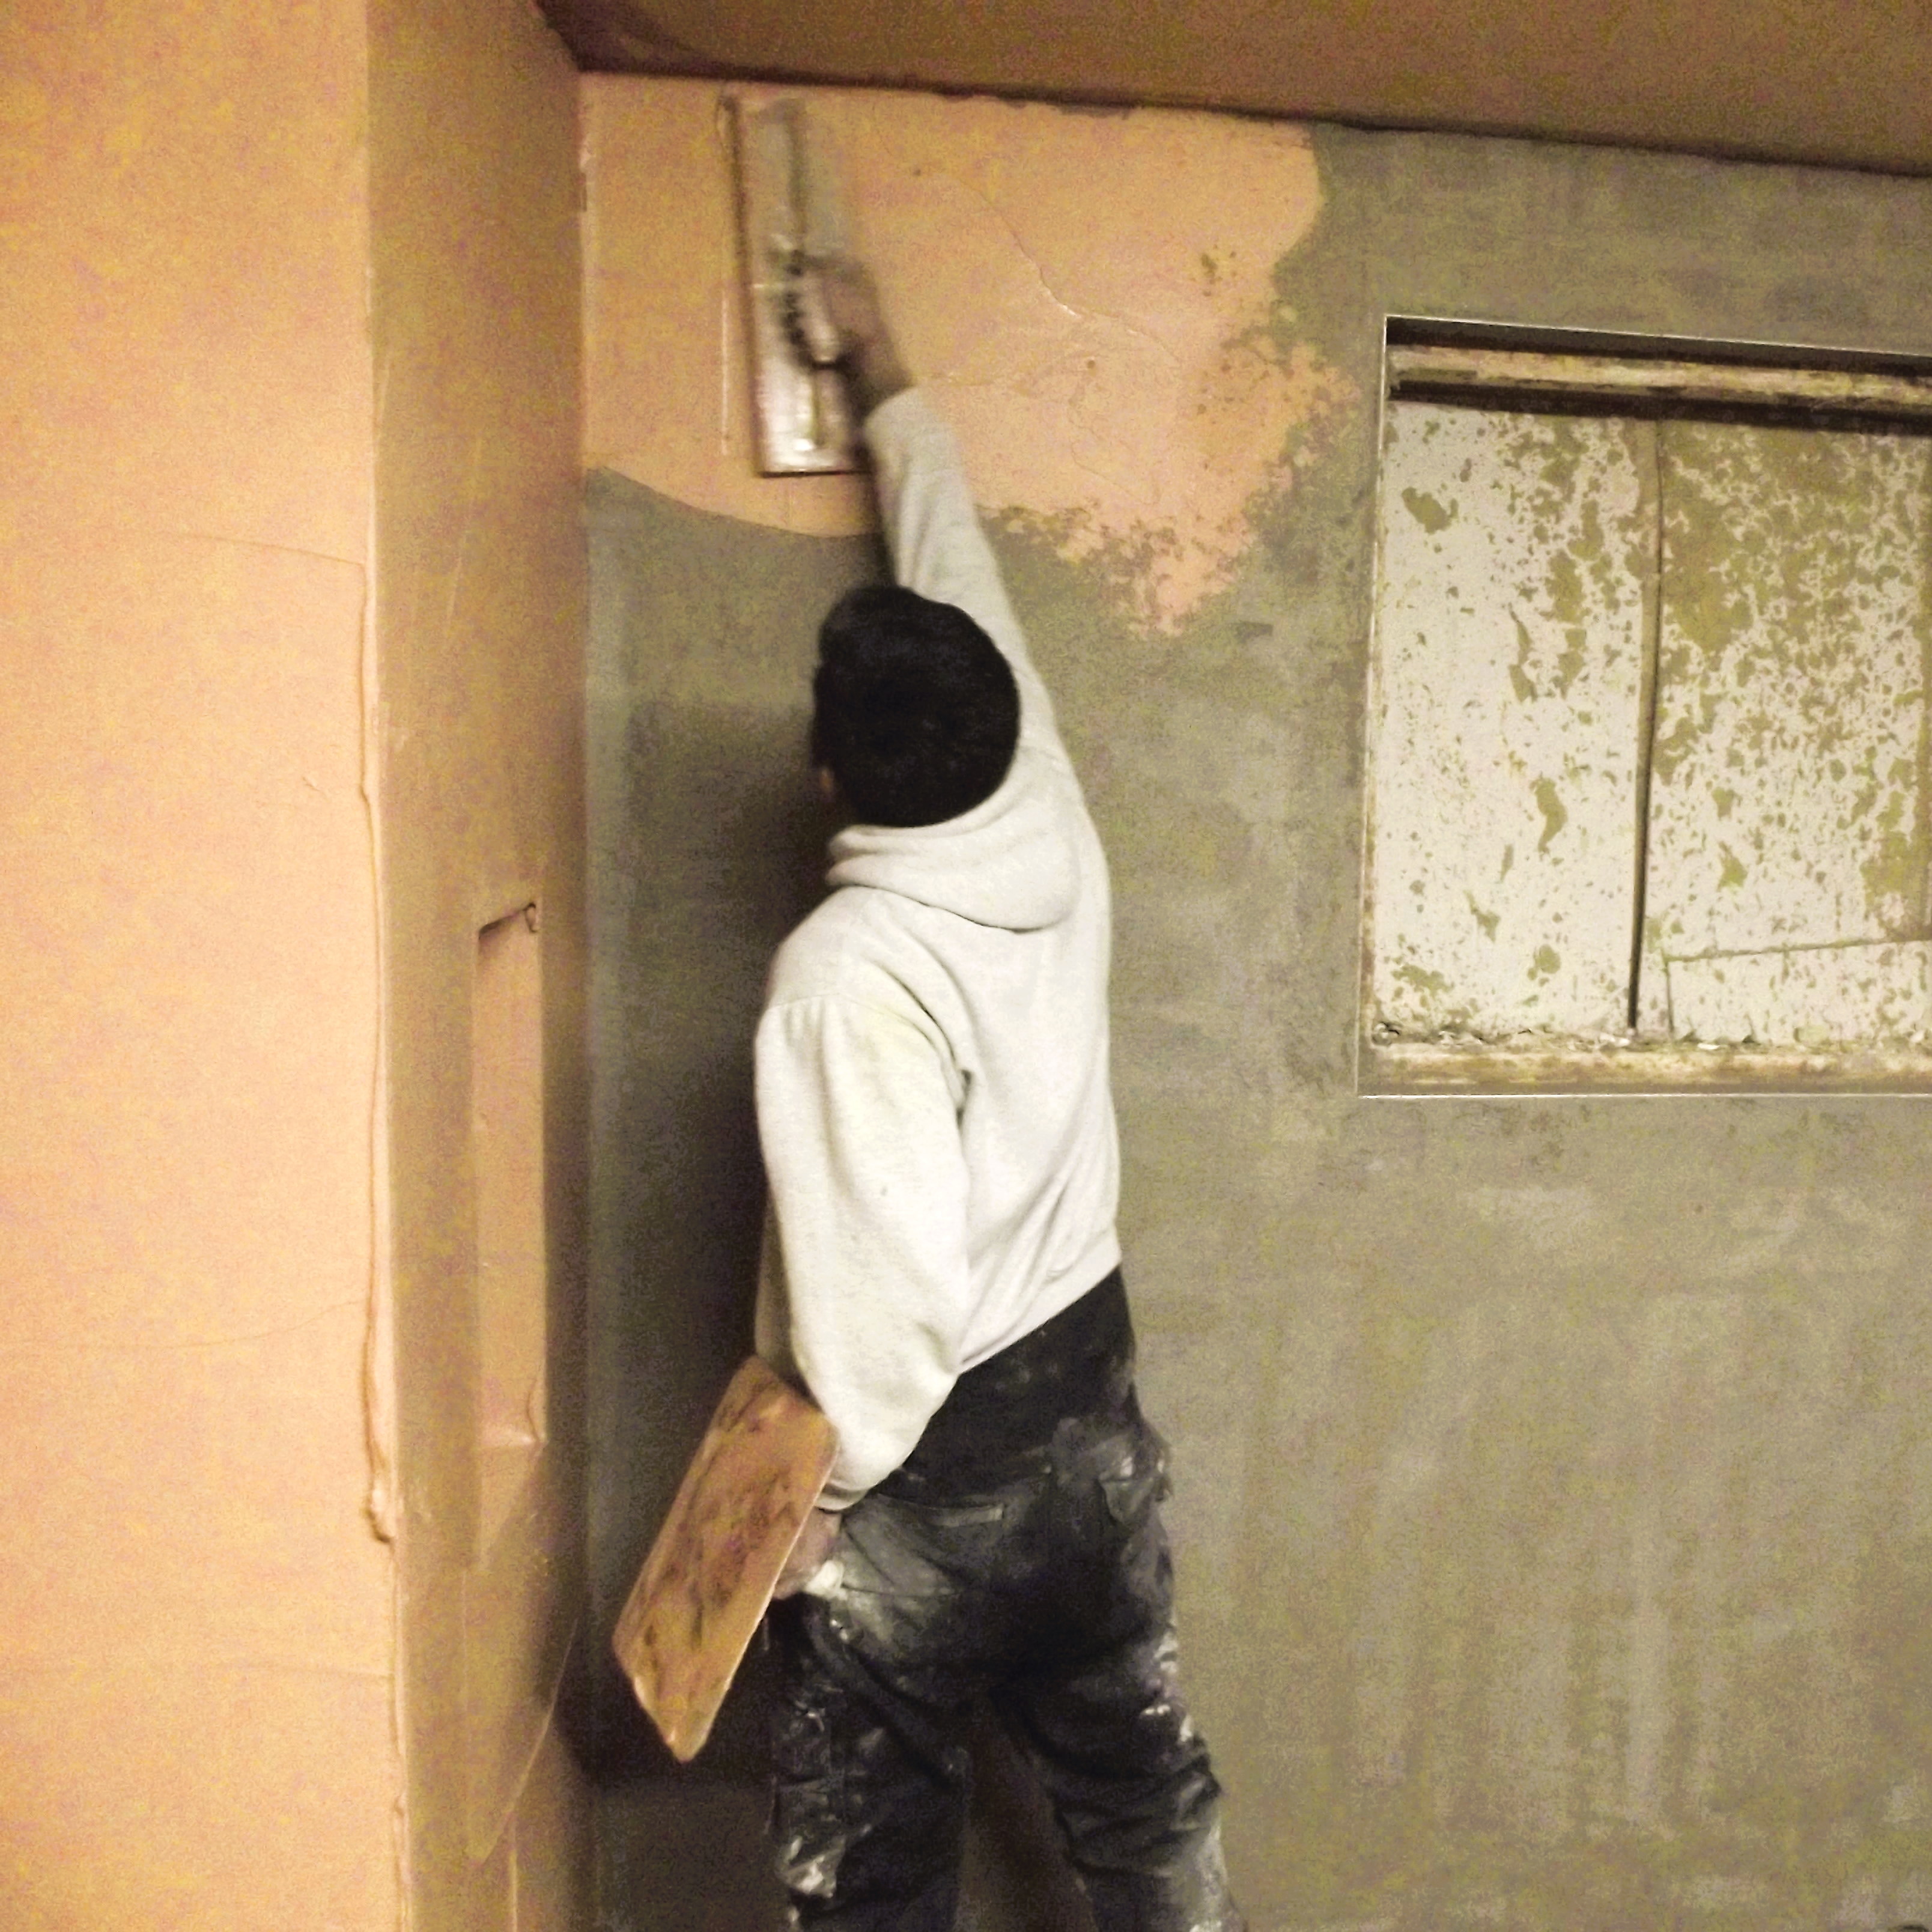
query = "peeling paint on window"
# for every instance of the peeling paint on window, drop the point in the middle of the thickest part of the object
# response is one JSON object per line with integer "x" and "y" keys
{"x": 1789, "y": 819}
{"x": 1491, "y": 793}
{"x": 1650, "y": 735}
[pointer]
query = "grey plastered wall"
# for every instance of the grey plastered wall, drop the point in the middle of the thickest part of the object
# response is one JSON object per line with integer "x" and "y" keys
{"x": 707, "y": 838}
{"x": 1554, "y": 1510}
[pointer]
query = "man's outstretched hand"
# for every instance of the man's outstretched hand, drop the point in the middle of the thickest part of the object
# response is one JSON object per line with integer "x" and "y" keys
{"x": 814, "y": 1546}
{"x": 839, "y": 322}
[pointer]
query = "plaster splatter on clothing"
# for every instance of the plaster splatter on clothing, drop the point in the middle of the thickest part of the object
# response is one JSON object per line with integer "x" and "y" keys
{"x": 1030, "y": 1574}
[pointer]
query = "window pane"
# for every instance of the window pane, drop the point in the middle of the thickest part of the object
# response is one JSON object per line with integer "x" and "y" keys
{"x": 1510, "y": 630}
{"x": 1786, "y": 892}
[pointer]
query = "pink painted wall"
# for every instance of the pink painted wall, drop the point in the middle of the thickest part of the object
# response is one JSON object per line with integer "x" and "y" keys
{"x": 476, "y": 316}
{"x": 292, "y": 587}
{"x": 196, "y": 1647}
{"x": 1105, "y": 358}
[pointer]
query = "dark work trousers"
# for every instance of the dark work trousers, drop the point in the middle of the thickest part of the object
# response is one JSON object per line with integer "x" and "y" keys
{"x": 1017, "y": 1556}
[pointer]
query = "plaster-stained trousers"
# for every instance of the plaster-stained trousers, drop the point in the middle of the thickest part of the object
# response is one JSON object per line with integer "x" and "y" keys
{"x": 1018, "y": 1556}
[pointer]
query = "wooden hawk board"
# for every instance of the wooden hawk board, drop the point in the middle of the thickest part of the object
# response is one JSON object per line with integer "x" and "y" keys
{"x": 756, "y": 1474}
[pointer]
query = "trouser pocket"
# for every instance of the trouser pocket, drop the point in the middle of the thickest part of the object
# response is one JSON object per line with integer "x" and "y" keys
{"x": 1134, "y": 1480}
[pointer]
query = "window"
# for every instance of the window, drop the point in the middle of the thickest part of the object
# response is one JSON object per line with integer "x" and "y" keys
{"x": 1649, "y": 730}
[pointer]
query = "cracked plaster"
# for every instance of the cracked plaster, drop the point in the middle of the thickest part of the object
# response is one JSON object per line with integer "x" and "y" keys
{"x": 1123, "y": 378}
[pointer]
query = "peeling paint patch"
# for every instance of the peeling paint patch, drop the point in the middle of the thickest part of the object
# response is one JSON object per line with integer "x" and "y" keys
{"x": 1114, "y": 363}
{"x": 1122, "y": 375}
{"x": 1555, "y": 817}
{"x": 1788, "y": 576}
{"x": 1427, "y": 511}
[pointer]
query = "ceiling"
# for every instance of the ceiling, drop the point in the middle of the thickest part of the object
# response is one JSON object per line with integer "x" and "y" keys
{"x": 1845, "y": 82}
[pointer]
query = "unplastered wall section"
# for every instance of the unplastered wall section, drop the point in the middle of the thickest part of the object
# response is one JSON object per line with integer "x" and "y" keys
{"x": 195, "y": 1636}
{"x": 479, "y": 603}
{"x": 1553, "y": 1510}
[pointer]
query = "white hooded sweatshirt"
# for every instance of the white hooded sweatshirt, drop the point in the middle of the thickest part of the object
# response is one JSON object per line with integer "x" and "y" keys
{"x": 931, "y": 1064}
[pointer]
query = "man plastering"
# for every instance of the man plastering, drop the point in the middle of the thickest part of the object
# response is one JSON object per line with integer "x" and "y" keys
{"x": 943, "y": 1275}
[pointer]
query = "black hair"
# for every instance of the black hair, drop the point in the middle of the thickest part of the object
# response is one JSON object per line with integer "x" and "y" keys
{"x": 915, "y": 710}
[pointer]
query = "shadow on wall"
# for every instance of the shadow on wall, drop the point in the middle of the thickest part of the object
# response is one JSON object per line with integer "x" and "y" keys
{"x": 707, "y": 838}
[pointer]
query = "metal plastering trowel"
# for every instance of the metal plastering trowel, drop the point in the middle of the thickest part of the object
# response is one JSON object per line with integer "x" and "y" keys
{"x": 789, "y": 208}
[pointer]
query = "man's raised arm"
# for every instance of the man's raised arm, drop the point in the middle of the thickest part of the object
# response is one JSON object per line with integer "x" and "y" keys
{"x": 932, "y": 530}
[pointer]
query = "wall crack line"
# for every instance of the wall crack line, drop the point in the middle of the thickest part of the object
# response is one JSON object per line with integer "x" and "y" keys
{"x": 1801, "y": 946}
{"x": 1650, "y": 677}
{"x": 1047, "y": 289}
{"x": 178, "y": 1348}
{"x": 273, "y": 549}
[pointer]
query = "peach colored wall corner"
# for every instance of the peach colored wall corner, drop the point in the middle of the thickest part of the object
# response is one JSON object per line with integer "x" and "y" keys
{"x": 480, "y": 601}
{"x": 196, "y": 1667}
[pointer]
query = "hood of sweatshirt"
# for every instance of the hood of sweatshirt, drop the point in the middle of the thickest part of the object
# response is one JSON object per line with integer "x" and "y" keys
{"x": 1011, "y": 862}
